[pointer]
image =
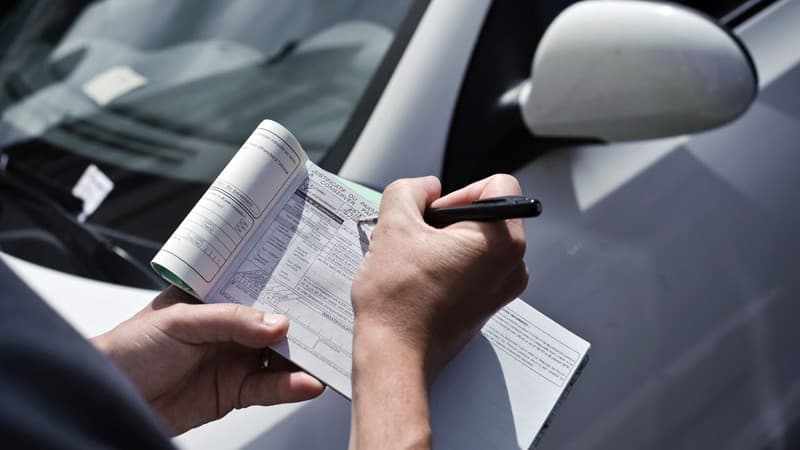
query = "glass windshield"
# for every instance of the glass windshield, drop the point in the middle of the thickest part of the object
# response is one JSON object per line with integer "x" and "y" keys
{"x": 159, "y": 94}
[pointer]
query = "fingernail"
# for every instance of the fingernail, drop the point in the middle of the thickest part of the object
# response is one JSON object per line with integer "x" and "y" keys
{"x": 273, "y": 320}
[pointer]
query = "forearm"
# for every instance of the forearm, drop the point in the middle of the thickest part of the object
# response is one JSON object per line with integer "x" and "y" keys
{"x": 390, "y": 398}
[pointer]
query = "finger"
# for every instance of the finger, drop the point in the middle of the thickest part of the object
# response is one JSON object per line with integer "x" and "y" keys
{"x": 498, "y": 185}
{"x": 493, "y": 186}
{"x": 225, "y": 322}
{"x": 278, "y": 363}
{"x": 517, "y": 281}
{"x": 408, "y": 197}
{"x": 171, "y": 296}
{"x": 270, "y": 388}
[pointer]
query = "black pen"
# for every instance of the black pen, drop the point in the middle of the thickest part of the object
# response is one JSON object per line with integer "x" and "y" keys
{"x": 487, "y": 209}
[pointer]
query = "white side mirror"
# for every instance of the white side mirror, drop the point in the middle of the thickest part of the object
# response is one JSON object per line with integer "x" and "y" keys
{"x": 624, "y": 70}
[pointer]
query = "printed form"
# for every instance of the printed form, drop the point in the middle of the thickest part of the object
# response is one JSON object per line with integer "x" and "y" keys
{"x": 229, "y": 213}
{"x": 278, "y": 233}
{"x": 302, "y": 264}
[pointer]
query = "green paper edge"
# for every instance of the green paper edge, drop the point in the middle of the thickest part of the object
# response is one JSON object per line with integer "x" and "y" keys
{"x": 369, "y": 194}
{"x": 172, "y": 278}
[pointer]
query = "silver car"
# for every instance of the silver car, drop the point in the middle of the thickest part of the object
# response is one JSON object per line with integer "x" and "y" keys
{"x": 676, "y": 256}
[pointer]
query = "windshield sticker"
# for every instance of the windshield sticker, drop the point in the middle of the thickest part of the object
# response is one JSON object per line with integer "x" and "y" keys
{"x": 113, "y": 83}
{"x": 93, "y": 187}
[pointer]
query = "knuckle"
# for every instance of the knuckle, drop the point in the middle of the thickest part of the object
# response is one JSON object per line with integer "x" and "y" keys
{"x": 398, "y": 185}
{"x": 178, "y": 308}
{"x": 518, "y": 281}
{"x": 524, "y": 277}
{"x": 179, "y": 312}
{"x": 177, "y": 318}
{"x": 517, "y": 246}
{"x": 242, "y": 316}
{"x": 385, "y": 230}
{"x": 511, "y": 248}
{"x": 232, "y": 312}
{"x": 393, "y": 227}
{"x": 236, "y": 311}
{"x": 507, "y": 180}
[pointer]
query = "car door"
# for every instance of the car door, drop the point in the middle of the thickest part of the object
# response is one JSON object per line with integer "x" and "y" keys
{"x": 676, "y": 258}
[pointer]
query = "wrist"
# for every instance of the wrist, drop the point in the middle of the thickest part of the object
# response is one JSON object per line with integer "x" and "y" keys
{"x": 390, "y": 397}
{"x": 376, "y": 345}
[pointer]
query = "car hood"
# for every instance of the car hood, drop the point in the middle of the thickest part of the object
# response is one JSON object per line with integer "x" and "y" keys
{"x": 92, "y": 307}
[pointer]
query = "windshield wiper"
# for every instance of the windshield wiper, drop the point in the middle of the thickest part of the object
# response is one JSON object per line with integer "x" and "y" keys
{"x": 101, "y": 258}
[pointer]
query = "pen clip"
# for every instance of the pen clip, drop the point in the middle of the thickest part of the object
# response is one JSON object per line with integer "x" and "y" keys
{"x": 510, "y": 199}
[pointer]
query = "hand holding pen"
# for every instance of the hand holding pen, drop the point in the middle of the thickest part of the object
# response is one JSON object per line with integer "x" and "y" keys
{"x": 421, "y": 293}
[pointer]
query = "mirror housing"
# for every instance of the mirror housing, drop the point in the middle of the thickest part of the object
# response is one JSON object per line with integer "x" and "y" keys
{"x": 623, "y": 70}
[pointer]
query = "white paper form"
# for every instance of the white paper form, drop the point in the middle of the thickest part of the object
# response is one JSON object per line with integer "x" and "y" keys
{"x": 228, "y": 213}
{"x": 301, "y": 263}
{"x": 506, "y": 383}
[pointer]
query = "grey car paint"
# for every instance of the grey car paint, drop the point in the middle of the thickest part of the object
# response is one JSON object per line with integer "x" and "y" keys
{"x": 683, "y": 274}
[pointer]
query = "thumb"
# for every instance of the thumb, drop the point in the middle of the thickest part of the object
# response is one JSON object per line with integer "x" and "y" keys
{"x": 224, "y": 322}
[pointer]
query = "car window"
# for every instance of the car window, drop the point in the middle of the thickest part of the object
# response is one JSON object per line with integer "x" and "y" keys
{"x": 199, "y": 76}
{"x": 159, "y": 94}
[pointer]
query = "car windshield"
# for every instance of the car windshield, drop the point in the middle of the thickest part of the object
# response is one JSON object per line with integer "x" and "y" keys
{"x": 159, "y": 94}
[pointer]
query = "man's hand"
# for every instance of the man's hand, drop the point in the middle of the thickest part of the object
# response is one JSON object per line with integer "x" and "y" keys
{"x": 195, "y": 362}
{"x": 420, "y": 293}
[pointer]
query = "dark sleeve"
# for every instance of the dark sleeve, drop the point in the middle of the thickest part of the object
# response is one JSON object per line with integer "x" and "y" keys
{"x": 56, "y": 390}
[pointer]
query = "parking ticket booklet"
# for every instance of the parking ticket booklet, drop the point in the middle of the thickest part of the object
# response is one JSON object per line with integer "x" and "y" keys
{"x": 276, "y": 232}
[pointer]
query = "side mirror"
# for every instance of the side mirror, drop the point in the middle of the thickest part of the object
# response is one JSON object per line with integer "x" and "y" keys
{"x": 626, "y": 70}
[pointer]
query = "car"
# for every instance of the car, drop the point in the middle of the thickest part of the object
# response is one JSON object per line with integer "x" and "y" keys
{"x": 675, "y": 257}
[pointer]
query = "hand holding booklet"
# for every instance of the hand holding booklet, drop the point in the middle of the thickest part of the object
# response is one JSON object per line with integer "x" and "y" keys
{"x": 278, "y": 233}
